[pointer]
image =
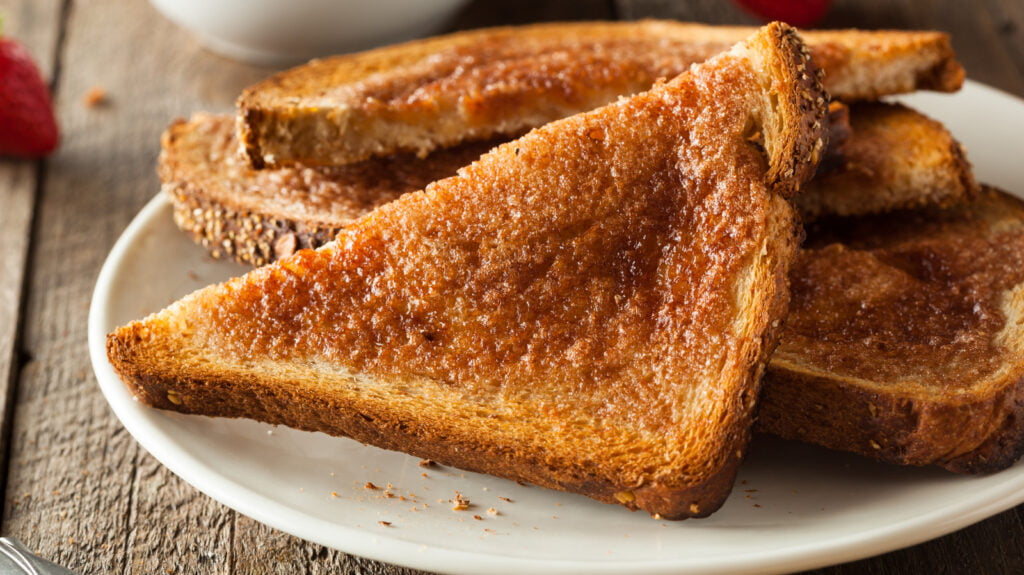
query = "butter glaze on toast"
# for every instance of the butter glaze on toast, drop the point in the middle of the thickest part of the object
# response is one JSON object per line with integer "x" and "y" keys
{"x": 257, "y": 216}
{"x": 438, "y": 92}
{"x": 895, "y": 157}
{"x": 904, "y": 340}
{"x": 587, "y": 308}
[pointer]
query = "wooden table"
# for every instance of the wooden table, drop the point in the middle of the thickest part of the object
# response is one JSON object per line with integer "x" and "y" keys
{"x": 78, "y": 489}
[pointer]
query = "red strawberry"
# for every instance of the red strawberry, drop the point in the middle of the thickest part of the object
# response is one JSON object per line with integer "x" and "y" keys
{"x": 27, "y": 125}
{"x": 795, "y": 12}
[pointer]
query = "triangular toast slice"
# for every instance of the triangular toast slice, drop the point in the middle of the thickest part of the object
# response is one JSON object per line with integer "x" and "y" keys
{"x": 904, "y": 340}
{"x": 893, "y": 157}
{"x": 438, "y": 92}
{"x": 588, "y": 308}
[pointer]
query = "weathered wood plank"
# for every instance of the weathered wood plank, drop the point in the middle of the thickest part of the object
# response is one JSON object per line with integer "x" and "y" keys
{"x": 482, "y": 13}
{"x": 36, "y": 24}
{"x": 81, "y": 492}
{"x": 707, "y": 11}
{"x": 18, "y": 183}
{"x": 1007, "y": 20}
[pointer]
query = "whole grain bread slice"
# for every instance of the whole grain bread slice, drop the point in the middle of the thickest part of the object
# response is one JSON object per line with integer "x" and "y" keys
{"x": 438, "y": 92}
{"x": 904, "y": 340}
{"x": 257, "y": 216}
{"x": 588, "y": 308}
{"x": 892, "y": 157}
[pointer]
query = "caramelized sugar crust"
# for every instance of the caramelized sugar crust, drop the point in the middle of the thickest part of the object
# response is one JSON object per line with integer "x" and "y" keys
{"x": 587, "y": 308}
{"x": 441, "y": 91}
{"x": 567, "y": 62}
{"x": 538, "y": 267}
{"x": 503, "y": 71}
{"x": 912, "y": 300}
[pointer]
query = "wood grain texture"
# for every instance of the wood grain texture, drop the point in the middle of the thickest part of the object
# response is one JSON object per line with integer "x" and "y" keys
{"x": 483, "y": 13}
{"x": 36, "y": 24}
{"x": 706, "y": 11}
{"x": 79, "y": 489}
{"x": 982, "y": 33}
{"x": 81, "y": 492}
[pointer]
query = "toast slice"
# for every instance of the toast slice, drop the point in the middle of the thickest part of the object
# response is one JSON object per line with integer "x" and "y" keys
{"x": 588, "y": 308}
{"x": 904, "y": 340}
{"x": 438, "y": 92}
{"x": 257, "y": 216}
{"x": 894, "y": 157}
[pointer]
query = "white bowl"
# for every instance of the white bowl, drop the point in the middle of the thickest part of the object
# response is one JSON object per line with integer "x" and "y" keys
{"x": 292, "y": 31}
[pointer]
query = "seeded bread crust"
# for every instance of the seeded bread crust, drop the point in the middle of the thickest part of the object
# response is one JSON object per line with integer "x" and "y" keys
{"x": 469, "y": 323}
{"x": 919, "y": 314}
{"x": 438, "y": 92}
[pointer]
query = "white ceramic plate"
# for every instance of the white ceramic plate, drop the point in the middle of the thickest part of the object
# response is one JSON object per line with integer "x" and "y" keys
{"x": 794, "y": 507}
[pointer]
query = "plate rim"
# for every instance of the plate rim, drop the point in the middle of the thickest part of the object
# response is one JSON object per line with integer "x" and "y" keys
{"x": 942, "y": 520}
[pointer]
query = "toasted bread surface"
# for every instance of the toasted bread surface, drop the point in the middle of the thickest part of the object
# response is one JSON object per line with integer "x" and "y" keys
{"x": 893, "y": 158}
{"x": 257, "y": 216}
{"x": 903, "y": 341}
{"x": 442, "y": 91}
{"x": 587, "y": 308}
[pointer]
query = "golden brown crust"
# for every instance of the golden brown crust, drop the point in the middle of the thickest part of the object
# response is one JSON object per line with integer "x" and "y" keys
{"x": 471, "y": 85}
{"x": 893, "y": 158}
{"x": 588, "y": 308}
{"x": 903, "y": 340}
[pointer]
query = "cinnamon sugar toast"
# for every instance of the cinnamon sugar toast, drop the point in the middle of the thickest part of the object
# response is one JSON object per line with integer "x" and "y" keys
{"x": 588, "y": 308}
{"x": 893, "y": 157}
{"x": 904, "y": 340}
{"x": 438, "y": 92}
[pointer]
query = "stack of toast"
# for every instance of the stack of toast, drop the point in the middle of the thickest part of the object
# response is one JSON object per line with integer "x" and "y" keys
{"x": 571, "y": 255}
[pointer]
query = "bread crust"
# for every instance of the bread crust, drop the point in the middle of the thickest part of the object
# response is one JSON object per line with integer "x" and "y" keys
{"x": 587, "y": 308}
{"x": 256, "y": 217}
{"x": 982, "y": 435}
{"x": 439, "y": 92}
